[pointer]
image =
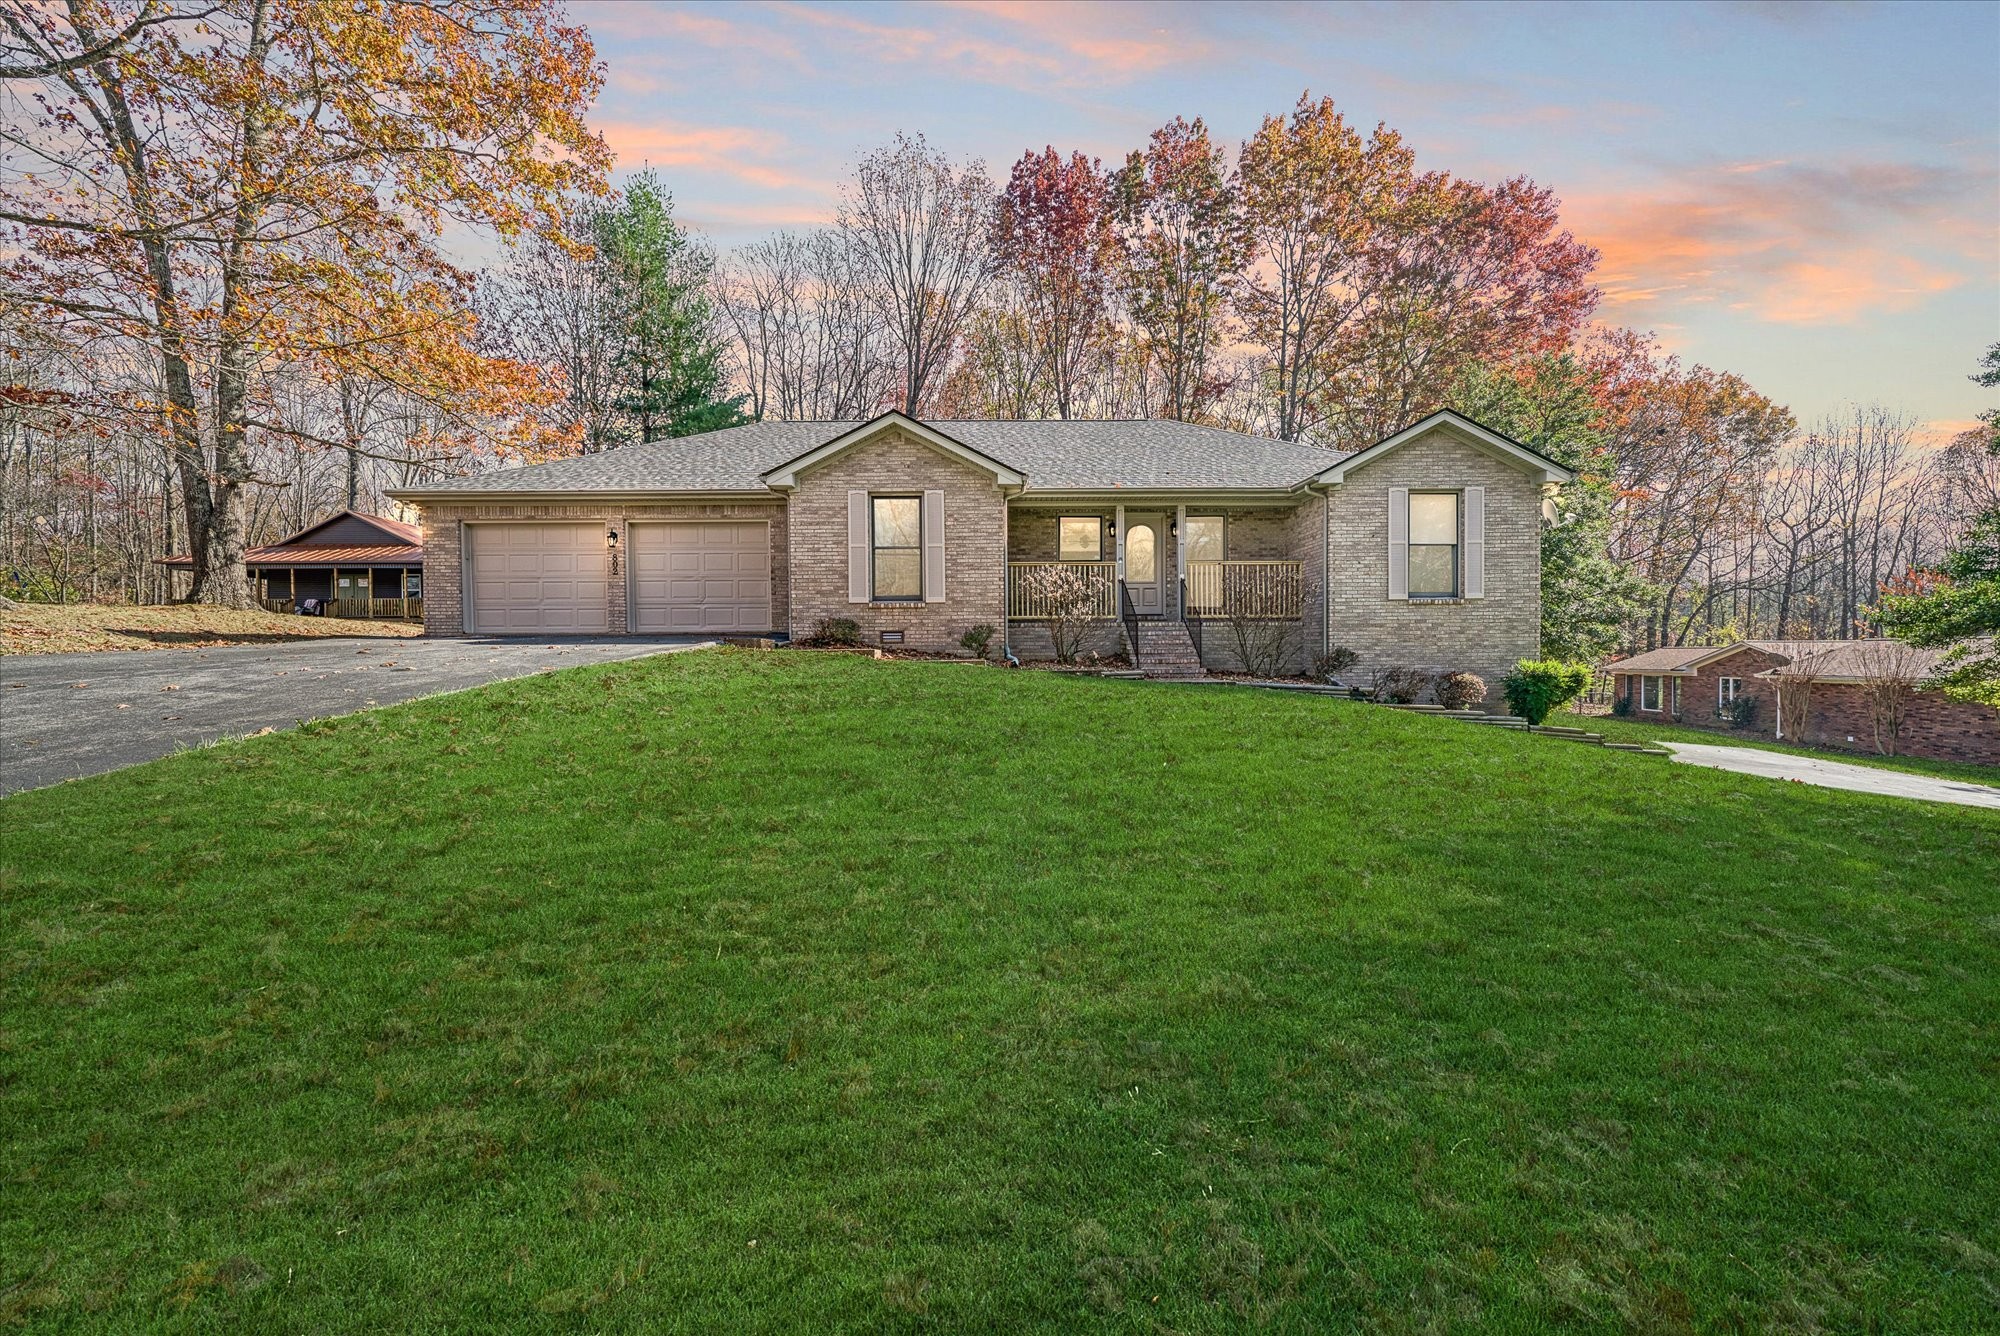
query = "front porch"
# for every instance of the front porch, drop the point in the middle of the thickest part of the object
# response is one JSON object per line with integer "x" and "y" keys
{"x": 1159, "y": 585}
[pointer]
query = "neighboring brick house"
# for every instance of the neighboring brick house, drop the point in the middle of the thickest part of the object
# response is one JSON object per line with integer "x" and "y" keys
{"x": 1700, "y": 685}
{"x": 1422, "y": 550}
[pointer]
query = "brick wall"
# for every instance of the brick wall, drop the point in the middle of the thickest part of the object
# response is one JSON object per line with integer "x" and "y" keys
{"x": 975, "y": 529}
{"x": 1933, "y": 726}
{"x": 443, "y": 526}
{"x": 1484, "y": 635}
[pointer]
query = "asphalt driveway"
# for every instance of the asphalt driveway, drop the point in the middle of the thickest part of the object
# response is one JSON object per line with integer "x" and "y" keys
{"x": 67, "y": 715}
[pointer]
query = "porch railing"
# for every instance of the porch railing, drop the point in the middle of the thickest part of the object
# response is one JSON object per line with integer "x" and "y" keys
{"x": 1264, "y": 590}
{"x": 379, "y": 609}
{"x": 1030, "y": 599}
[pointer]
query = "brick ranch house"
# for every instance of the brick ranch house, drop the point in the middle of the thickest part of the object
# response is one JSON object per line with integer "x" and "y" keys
{"x": 1700, "y": 685}
{"x": 1422, "y": 550}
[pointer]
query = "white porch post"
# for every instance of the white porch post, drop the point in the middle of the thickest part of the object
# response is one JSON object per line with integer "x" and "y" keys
{"x": 1180, "y": 558}
{"x": 1118, "y": 539}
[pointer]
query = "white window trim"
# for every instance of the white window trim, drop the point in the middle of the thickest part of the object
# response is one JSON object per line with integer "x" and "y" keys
{"x": 1727, "y": 690}
{"x": 875, "y": 549}
{"x": 1099, "y": 520}
{"x": 1223, "y": 520}
{"x": 1457, "y": 546}
{"x": 1658, "y": 690}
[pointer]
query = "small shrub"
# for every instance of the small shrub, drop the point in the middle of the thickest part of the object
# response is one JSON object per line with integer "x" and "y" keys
{"x": 1537, "y": 688}
{"x": 1622, "y": 706}
{"x": 1459, "y": 691}
{"x": 1741, "y": 712}
{"x": 1400, "y": 685}
{"x": 1333, "y": 663}
{"x": 975, "y": 641}
{"x": 834, "y": 631}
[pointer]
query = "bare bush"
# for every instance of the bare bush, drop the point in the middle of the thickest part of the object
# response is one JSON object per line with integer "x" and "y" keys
{"x": 1265, "y": 648}
{"x": 1890, "y": 672}
{"x": 1066, "y": 598}
{"x": 1459, "y": 691}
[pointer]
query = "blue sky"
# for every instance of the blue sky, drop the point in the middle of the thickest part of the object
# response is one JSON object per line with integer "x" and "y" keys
{"x": 1806, "y": 194}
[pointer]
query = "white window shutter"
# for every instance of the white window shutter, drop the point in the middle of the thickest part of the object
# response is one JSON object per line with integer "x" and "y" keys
{"x": 933, "y": 547}
{"x": 1475, "y": 542}
{"x": 857, "y": 547}
{"x": 1399, "y": 542}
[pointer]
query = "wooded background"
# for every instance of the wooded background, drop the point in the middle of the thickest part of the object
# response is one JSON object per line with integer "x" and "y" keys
{"x": 228, "y": 309}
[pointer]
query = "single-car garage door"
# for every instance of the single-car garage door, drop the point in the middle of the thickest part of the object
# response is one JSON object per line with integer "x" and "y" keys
{"x": 708, "y": 575}
{"x": 538, "y": 579}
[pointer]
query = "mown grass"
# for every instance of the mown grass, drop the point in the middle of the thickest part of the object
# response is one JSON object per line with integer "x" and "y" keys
{"x": 1639, "y": 730}
{"x": 784, "y": 992}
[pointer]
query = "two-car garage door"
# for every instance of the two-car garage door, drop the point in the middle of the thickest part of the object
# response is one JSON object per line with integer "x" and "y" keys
{"x": 553, "y": 578}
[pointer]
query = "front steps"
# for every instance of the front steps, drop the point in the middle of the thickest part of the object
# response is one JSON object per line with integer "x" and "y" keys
{"x": 1166, "y": 650}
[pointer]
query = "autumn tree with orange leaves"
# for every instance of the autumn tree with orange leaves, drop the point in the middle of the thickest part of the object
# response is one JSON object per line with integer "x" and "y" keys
{"x": 248, "y": 186}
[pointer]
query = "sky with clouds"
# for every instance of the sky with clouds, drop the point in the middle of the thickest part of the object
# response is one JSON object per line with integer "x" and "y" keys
{"x": 1807, "y": 194}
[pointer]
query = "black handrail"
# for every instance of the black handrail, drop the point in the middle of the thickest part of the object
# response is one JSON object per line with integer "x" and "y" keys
{"x": 1189, "y": 620}
{"x": 1130, "y": 616}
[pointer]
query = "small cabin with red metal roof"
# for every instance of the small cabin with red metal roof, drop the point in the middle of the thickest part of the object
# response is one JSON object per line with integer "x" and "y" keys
{"x": 347, "y": 565}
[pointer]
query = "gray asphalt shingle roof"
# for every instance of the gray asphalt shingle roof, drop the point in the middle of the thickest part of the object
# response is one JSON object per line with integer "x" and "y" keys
{"x": 1055, "y": 456}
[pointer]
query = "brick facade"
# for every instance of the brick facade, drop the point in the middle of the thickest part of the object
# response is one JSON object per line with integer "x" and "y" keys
{"x": 1484, "y": 635}
{"x": 975, "y": 526}
{"x": 1839, "y": 716}
{"x": 1340, "y": 539}
{"x": 444, "y": 548}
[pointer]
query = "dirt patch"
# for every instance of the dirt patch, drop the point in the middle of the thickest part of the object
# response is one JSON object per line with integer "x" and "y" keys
{"x": 43, "y": 628}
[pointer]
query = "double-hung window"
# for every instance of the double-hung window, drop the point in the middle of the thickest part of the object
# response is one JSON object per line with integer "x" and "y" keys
{"x": 1726, "y": 691}
{"x": 1649, "y": 693}
{"x": 897, "y": 536}
{"x": 1433, "y": 544}
{"x": 1080, "y": 538}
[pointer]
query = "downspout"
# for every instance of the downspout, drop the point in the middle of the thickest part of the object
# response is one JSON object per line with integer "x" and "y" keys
{"x": 1779, "y": 722}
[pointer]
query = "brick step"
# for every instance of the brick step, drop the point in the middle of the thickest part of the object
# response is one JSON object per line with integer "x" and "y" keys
{"x": 1166, "y": 650}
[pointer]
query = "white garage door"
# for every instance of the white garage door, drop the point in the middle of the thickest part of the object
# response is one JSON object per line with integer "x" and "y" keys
{"x": 701, "y": 576}
{"x": 538, "y": 579}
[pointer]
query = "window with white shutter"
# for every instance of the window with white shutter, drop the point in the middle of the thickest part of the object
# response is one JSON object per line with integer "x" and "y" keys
{"x": 1399, "y": 542}
{"x": 858, "y": 554}
{"x": 934, "y": 547}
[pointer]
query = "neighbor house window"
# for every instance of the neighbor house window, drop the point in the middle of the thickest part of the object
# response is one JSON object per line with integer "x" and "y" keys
{"x": 1726, "y": 691}
{"x": 1433, "y": 544}
{"x": 413, "y": 584}
{"x": 1080, "y": 538}
{"x": 1649, "y": 693}
{"x": 899, "y": 547}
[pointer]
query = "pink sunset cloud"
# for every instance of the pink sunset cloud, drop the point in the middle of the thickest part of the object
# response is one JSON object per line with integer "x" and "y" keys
{"x": 738, "y": 152}
{"x": 1786, "y": 242}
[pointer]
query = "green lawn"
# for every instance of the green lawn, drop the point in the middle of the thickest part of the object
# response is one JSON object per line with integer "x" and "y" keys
{"x": 1640, "y": 730}
{"x": 781, "y": 992}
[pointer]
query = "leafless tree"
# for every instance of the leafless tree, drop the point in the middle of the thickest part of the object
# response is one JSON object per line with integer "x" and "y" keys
{"x": 1794, "y": 681}
{"x": 1890, "y": 672}
{"x": 918, "y": 228}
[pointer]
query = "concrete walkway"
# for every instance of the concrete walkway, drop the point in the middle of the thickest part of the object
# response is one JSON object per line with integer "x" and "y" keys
{"x": 63, "y": 716}
{"x": 1835, "y": 774}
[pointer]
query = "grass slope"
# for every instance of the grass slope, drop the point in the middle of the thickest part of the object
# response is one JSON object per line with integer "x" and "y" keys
{"x": 47, "y": 628}
{"x": 782, "y": 992}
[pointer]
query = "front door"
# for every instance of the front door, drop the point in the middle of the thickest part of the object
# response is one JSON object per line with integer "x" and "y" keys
{"x": 1145, "y": 571}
